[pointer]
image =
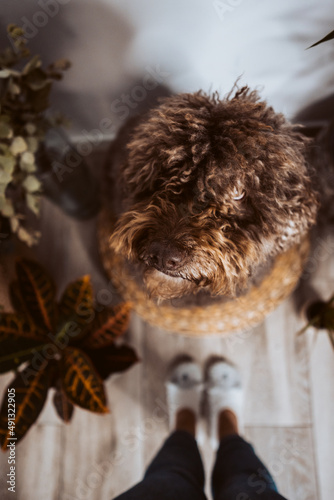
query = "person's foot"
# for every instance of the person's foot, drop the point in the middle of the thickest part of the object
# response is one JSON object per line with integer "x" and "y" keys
{"x": 184, "y": 390}
{"x": 224, "y": 399}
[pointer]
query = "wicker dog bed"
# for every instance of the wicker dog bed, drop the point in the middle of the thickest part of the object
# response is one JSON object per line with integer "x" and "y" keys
{"x": 221, "y": 316}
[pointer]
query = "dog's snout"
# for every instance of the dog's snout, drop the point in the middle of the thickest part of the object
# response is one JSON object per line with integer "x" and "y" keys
{"x": 165, "y": 256}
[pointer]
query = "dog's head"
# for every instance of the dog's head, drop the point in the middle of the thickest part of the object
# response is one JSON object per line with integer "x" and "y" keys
{"x": 212, "y": 188}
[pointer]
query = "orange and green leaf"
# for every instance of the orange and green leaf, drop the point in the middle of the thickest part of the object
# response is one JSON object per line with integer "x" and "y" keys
{"x": 31, "y": 389}
{"x": 17, "y": 338}
{"x": 113, "y": 359}
{"x": 77, "y": 302}
{"x": 12, "y": 325}
{"x": 80, "y": 381}
{"x": 38, "y": 291}
{"x": 78, "y": 376}
{"x": 63, "y": 406}
{"x": 108, "y": 325}
{"x": 18, "y": 302}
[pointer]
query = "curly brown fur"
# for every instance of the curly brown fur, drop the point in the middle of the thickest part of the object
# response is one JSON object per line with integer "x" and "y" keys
{"x": 208, "y": 191}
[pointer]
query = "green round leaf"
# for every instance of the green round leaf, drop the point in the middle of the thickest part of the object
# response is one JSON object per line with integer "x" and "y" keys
{"x": 5, "y": 177}
{"x": 33, "y": 203}
{"x": 8, "y": 209}
{"x": 6, "y": 131}
{"x": 31, "y": 183}
{"x": 14, "y": 223}
{"x": 7, "y": 163}
{"x": 13, "y": 88}
{"x": 5, "y": 73}
{"x": 27, "y": 162}
{"x": 33, "y": 144}
{"x": 18, "y": 146}
{"x": 30, "y": 128}
{"x": 34, "y": 63}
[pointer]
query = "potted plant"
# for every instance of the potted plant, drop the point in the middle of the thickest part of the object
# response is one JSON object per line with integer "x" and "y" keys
{"x": 24, "y": 98}
{"x": 26, "y": 151}
{"x": 71, "y": 346}
{"x": 320, "y": 315}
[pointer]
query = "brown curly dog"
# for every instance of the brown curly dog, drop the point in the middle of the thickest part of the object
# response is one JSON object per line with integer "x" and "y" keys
{"x": 207, "y": 191}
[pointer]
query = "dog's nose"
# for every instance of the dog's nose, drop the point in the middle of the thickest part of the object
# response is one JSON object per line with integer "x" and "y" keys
{"x": 165, "y": 256}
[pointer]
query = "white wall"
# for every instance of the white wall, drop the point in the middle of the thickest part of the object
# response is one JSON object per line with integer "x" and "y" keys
{"x": 196, "y": 44}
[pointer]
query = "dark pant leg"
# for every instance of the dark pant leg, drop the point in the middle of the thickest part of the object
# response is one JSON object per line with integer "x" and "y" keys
{"x": 176, "y": 473}
{"x": 239, "y": 474}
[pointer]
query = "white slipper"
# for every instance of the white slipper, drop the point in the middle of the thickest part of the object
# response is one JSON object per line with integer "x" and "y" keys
{"x": 184, "y": 389}
{"x": 223, "y": 391}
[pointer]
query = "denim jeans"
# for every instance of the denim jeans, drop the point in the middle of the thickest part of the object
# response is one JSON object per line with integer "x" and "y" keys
{"x": 176, "y": 473}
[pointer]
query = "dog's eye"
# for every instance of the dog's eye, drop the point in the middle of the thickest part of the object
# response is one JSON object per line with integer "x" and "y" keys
{"x": 238, "y": 194}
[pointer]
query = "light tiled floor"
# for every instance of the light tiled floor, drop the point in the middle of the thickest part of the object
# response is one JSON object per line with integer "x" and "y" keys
{"x": 289, "y": 383}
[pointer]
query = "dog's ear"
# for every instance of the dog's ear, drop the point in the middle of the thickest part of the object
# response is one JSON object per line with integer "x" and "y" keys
{"x": 296, "y": 187}
{"x": 272, "y": 158}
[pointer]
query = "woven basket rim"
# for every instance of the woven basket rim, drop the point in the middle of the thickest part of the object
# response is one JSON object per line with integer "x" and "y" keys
{"x": 242, "y": 313}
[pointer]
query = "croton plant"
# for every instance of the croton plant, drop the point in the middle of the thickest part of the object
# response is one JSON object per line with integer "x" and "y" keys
{"x": 71, "y": 346}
